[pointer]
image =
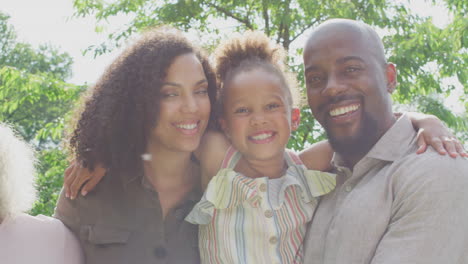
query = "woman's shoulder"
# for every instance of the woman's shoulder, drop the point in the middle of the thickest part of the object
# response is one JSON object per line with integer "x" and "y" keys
{"x": 112, "y": 195}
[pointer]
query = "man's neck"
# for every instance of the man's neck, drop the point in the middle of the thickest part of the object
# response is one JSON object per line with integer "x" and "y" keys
{"x": 352, "y": 159}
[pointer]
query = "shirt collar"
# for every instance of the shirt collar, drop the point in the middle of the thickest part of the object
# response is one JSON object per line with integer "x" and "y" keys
{"x": 391, "y": 145}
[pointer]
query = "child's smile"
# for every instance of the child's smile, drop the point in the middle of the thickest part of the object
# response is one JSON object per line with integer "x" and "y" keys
{"x": 257, "y": 115}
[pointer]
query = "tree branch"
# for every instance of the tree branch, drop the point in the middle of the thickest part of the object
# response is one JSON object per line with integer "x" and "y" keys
{"x": 266, "y": 17}
{"x": 230, "y": 14}
{"x": 304, "y": 29}
{"x": 284, "y": 27}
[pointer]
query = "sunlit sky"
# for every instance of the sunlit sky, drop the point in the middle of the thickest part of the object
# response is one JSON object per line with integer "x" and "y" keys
{"x": 51, "y": 21}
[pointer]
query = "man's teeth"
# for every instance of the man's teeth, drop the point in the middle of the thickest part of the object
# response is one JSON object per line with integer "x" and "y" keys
{"x": 344, "y": 110}
{"x": 187, "y": 126}
{"x": 262, "y": 136}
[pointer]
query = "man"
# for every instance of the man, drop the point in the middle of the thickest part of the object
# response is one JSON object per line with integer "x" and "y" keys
{"x": 24, "y": 238}
{"x": 390, "y": 205}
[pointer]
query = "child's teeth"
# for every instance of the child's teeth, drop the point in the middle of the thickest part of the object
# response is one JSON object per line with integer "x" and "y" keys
{"x": 262, "y": 136}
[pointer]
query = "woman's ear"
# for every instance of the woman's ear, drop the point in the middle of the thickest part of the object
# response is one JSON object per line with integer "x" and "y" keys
{"x": 295, "y": 118}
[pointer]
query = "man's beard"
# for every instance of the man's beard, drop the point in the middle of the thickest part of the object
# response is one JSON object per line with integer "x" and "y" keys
{"x": 361, "y": 143}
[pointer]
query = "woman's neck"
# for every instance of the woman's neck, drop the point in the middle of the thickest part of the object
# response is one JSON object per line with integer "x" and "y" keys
{"x": 169, "y": 171}
{"x": 173, "y": 175}
{"x": 272, "y": 168}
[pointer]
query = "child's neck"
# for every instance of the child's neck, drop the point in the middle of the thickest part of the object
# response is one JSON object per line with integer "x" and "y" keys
{"x": 271, "y": 168}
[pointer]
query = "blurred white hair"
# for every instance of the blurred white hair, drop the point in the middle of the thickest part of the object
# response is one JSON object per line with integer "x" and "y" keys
{"x": 17, "y": 173}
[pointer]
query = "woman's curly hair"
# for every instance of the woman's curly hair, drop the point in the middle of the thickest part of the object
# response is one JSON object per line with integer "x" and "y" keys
{"x": 122, "y": 107}
{"x": 250, "y": 51}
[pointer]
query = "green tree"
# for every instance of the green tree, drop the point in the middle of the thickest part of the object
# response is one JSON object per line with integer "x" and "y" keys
{"x": 35, "y": 99}
{"x": 414, "y": 43}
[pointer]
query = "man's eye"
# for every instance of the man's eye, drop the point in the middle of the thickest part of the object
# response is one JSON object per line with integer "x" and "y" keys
{"x": 352, "y": 69}
{"x": 314, "y": 80}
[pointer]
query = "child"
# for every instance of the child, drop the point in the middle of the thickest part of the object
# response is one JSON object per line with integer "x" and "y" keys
{"x": 256, "y": 208}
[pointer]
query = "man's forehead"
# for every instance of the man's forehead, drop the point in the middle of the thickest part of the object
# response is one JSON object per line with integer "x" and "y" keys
{"x": 351, "y": 37}
{"x": 336, "y": 32}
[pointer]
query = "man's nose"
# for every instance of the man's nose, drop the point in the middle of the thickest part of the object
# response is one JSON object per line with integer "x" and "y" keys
{"x": 334, "y": 86}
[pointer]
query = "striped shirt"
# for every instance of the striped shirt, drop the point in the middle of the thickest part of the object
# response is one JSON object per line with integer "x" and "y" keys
{"x": 239, "y": 224}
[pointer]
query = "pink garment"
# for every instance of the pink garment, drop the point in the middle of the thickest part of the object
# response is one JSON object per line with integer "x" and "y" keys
{"x": 26, "y": 239}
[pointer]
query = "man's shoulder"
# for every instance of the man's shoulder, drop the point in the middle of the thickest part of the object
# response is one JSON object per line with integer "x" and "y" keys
{"x": 431, "y": 160}
{"x": 430, "y": 169}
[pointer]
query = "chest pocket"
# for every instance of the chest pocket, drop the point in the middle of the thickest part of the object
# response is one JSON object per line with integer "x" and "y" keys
{"x": 102, "y": 235}
{"x": 105, "y": 244}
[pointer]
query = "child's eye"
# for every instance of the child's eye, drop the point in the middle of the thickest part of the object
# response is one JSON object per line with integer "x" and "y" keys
{"x": 241, "y": 110}
{"x": 352, "y": 69}
{"x": 272, "y": 106}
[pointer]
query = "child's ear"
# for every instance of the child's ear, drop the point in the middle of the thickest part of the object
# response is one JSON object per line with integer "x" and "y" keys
{"x": 222, "y": 123}
{"x": 295, "y": 118}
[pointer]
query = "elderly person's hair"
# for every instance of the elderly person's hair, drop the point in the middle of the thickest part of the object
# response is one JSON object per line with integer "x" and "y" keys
{"x": 17, "y": 171}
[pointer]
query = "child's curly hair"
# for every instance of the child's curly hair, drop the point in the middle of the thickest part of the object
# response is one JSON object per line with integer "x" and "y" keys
{"x": 122, "y": 107}
{"x": 249, "y": 51}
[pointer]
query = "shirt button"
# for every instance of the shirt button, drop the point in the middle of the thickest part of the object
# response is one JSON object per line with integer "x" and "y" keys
{"x": 160, "y": 252}
{"x": 263, "y": 187}
{"x": 269, "y": 213}
{"x": 273, "y": 240}
{"x": 348, "y": 188}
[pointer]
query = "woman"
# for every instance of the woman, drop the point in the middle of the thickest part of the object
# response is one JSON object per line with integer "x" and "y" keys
{"x": 152, "y": 102}
{"x": 24, "y": 238}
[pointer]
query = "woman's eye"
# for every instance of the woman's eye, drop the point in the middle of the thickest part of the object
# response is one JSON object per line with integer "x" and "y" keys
{"x": 167, "y": 95}
{"x": 202, "y": 91}
{"x": 241, "y": 110}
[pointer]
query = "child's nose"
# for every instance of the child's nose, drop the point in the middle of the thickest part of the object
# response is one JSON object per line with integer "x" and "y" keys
{"x": 258, "y": 119}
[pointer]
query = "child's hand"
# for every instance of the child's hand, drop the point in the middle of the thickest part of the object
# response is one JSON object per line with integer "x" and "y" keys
{"x": 76, "y": 176}
{"x": 433, "y": 132}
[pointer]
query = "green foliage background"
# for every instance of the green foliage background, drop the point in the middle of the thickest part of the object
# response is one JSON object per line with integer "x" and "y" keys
{"x": 36, "y": 99}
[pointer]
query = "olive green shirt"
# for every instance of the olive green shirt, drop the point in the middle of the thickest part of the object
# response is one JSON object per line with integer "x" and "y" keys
{"x": 121, "y": 221}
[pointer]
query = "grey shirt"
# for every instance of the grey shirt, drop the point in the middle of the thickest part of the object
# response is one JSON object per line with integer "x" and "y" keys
{"x": 394, "y": 207}
{"x": 121, "y": 222}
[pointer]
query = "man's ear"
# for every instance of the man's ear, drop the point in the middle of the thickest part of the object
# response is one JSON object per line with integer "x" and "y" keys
{"x": 391, "y": 75}
{"x": 295, "y": 118}
{"x": 222, "y": 123}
